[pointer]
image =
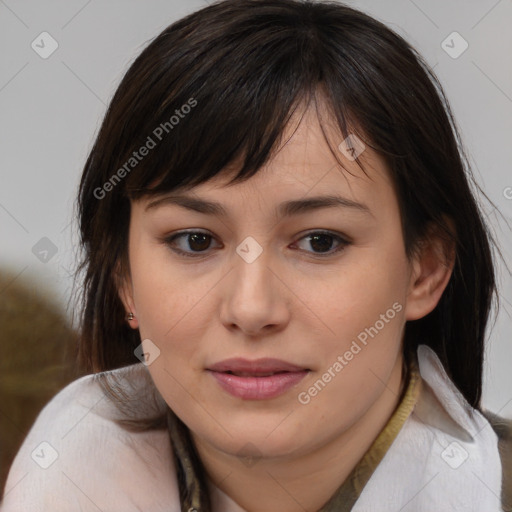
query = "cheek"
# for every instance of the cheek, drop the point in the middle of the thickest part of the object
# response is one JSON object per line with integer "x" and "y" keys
{"x": 175, "y": 309}
{"x": 366, "y": 315}
{"x": 363, "y": 309}
{"x": 357, "y": 293}
{"x": 162, "y": 298}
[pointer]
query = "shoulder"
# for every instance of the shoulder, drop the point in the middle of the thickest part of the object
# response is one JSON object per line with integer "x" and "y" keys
{"x": 503, "y": 429}
{"x": 77, "y": 457}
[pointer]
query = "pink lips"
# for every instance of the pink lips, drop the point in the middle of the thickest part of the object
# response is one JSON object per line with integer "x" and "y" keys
{"x": 256, "y": 380}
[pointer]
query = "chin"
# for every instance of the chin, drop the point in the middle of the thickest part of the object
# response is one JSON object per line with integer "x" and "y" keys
{"x": 260, "y": 440}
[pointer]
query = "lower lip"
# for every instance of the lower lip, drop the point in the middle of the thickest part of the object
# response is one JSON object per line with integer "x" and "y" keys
{"x": 258, "y": 388}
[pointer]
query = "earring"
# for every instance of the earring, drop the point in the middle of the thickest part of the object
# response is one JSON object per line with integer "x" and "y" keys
{"x": 130, "y": 316}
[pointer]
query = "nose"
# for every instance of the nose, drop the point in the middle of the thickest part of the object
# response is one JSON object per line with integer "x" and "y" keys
{"x": 256, "y": 299}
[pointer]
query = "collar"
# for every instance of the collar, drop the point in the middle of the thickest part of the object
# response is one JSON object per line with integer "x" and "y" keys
{"x": 445, "y": 457}
{"x": 442, "y": 405}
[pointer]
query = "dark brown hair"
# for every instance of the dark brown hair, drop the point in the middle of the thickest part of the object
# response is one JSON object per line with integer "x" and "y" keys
{"x": 218, "y": 87}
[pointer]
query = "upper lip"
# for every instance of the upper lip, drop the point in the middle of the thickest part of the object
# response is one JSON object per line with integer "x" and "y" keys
{"x": 264, "y": 365}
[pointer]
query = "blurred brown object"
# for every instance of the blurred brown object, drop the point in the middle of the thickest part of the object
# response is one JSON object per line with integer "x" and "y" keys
{"x": 38, "y": 360}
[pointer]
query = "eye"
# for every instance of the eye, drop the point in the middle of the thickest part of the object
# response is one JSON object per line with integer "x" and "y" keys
{"x": 322, "y": 241}
{"x": 196, "y": 243}
{"x": 192, "y": 243}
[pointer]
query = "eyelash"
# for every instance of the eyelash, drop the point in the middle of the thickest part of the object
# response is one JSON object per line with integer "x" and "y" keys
{"x": 169, "y": 241}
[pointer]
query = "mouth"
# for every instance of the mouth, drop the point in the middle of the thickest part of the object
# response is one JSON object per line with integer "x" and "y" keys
{"x": 253, "y": 374}
{"x": 258, "y": 367}
{"x": 261, "y": 379}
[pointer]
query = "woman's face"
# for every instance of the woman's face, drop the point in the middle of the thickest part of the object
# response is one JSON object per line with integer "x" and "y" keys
{"x": 278, "y": 326}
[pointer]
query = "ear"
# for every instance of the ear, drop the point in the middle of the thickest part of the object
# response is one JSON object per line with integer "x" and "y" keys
{"x": 125, "y": 291}
{"x": 432, "y": 267}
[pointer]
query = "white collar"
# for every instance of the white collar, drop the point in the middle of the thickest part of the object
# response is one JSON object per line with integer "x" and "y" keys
{"x": 445, "y": 457}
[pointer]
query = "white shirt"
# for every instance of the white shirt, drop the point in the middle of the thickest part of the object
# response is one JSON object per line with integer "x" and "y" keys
{"x": 76, "y": 458}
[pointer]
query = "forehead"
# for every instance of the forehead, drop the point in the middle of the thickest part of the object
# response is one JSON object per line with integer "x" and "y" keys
{"x": 311, "y": 160}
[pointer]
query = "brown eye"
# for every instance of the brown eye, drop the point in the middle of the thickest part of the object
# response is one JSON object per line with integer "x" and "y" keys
{"x": 198, "y": 241}
{"x": 190, "y": 243}
{"x": 322, "y": 242}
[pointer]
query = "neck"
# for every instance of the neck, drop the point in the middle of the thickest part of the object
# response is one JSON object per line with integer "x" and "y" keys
{"x": 305, "y": 482}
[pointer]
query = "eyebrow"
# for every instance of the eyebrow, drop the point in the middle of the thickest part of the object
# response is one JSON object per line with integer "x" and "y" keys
{"x": 285, "y": 209}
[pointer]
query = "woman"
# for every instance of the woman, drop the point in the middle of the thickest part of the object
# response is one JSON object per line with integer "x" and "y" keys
{"x": 277, "y": 222}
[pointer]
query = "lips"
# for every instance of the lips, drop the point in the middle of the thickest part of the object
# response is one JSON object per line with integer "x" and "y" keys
{"x": 256, "y": 380}
{"x": 253, "y": 374}
{"x": 260, "y": 366}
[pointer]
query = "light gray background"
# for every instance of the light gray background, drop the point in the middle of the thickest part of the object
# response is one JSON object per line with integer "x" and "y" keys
{"x": 51, "y": 110}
